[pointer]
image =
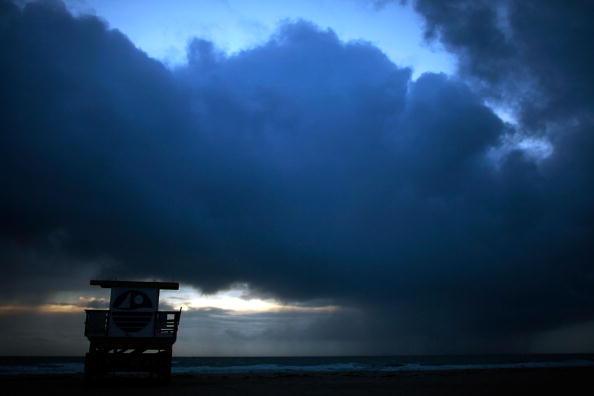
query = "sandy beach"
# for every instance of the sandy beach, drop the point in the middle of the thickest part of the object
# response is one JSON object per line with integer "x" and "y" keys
{"x": 563, "y": 381}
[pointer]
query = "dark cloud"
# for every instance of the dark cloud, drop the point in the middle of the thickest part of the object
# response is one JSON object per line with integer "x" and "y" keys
{"x": 534, "y": 53}
{"x": 309, "y": 168}
{"x": 534, "y": 58}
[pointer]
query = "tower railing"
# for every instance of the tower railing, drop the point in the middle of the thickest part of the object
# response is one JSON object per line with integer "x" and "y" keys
{"x": 165, "y": 322}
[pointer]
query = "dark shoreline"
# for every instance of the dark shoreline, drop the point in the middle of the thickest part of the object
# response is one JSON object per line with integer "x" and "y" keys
{"x": 563, "y": 380}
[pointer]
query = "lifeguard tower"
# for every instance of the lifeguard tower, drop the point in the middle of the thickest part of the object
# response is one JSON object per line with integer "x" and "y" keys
{"x": 132, "y": 335}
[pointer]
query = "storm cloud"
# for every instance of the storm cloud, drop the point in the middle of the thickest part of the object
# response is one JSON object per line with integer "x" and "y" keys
{"x": 311, "y": 169}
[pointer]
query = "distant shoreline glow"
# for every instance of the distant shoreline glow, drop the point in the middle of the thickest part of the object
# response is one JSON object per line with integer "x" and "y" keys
{"x": 40, "y": 309}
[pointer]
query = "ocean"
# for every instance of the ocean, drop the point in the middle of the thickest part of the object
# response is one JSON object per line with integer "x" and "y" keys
{"x": 29, "y": 365}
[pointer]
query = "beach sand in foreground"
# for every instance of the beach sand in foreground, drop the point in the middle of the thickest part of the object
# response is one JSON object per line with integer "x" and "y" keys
{"x": 562, "y": 381}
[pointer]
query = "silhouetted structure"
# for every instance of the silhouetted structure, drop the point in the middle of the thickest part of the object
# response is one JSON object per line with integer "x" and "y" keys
{"x": 132, "y": 335}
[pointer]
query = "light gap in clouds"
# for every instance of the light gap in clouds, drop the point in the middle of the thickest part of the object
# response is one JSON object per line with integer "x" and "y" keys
{"x": 238, "y": 299}
{"x": 163, "y": 32}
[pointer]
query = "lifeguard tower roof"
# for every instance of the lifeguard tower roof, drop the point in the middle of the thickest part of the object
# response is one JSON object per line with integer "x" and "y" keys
{"x": 135, "y": 284}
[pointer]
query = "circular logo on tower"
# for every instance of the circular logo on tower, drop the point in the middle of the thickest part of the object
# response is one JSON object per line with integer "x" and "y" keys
{"x": 131, "y": 300}
{"x": 130, "y": 312}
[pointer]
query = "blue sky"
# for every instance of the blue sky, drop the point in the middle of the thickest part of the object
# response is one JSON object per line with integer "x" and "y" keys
{"x": 235, "y": 25}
